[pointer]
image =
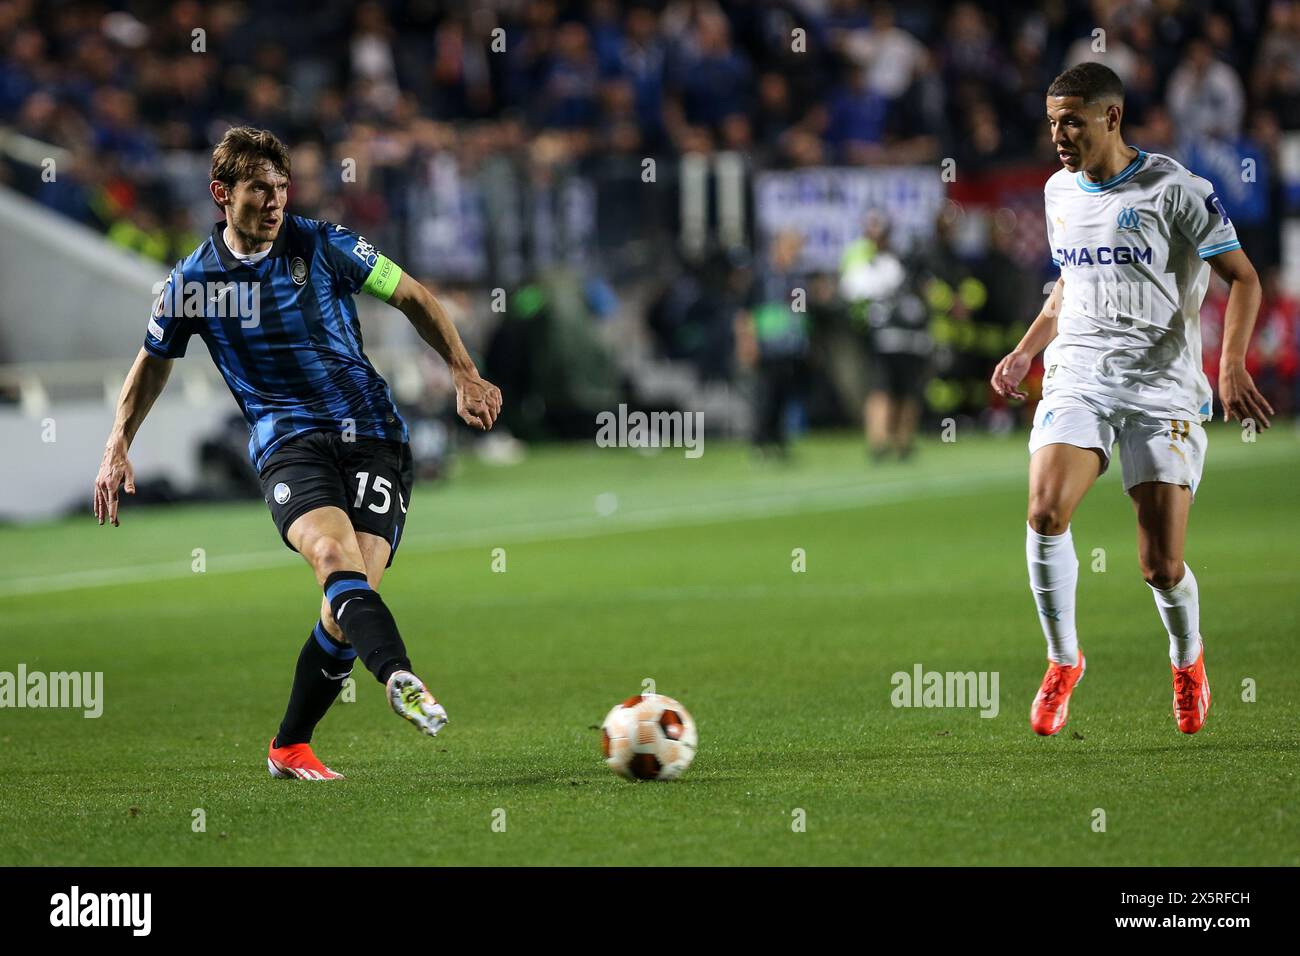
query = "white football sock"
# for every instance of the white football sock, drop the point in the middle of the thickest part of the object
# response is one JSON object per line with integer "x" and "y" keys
{"x": 1053, "y": 577}
{"x": 1180, "y": 609}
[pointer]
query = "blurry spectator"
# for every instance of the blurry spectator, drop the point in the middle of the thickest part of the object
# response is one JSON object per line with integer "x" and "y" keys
{"x": 568, "y": 93}
{"x": 982, "y": 144}
{"x": 855, "y": 122}
{"x": 24, "y": 68}
{"x": 974, "y": 65}
{"x": 776, "y": 114}
{"x": 885, "y": 294}
{"x": 890, "y": 58}
{"x": 1103, "y": 42}
{"x": 266, "y": 107}
{"x": 461, "y": 81}
{"x": 640, "y": 60}
{"x": 1276, "y": 79}
{"x": 710, "y": 88}
{"x": 1156, "y": 134}
{"x": 1273, "y": 358}
{"x": 373, "y": 63}
{"x": 619, "y": 130}
{"x": 1218, "y": 34}
{"x": 1144, "y": 89}
{"x": 957, "y": 299}
{"x": 1205, "y": 95}
{"x": 1032, "y": 77}
{"x": 772, "y": 340}
{"x": 116, "y": 130}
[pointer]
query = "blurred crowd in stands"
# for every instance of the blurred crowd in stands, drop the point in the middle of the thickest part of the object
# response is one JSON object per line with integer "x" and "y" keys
{"x": 124, "y": 90}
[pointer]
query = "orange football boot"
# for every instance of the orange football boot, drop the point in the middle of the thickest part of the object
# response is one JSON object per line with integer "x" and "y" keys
{"x": 1051, "y": 706}
{"x": 297, "y": 762}
{"x": 1191, "y": 694}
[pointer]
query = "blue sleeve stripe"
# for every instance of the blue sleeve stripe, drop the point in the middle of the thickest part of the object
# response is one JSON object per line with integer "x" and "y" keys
{"x": 157, "y": 350}
{"x": 342, "y": 587}
{"x": 1216, "y": 249}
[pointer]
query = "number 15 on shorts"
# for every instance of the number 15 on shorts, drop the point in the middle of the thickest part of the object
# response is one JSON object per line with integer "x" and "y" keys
{"x": 380, "y": 487}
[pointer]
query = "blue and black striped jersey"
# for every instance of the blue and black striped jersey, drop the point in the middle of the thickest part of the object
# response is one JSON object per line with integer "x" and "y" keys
{"x": 284, "y": 332}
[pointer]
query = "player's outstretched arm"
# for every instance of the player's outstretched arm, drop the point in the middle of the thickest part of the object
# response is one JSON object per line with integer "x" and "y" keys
{"x": 144, "y": 383}
{"x": 1237, "y": 391}
{"x": 1011, "y": 370}
{"x": 478, "y": 401}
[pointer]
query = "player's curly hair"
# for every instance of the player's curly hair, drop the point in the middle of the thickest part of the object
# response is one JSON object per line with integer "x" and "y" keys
{"x": 243, "y": 149}
{"x": 1091, "y": 81}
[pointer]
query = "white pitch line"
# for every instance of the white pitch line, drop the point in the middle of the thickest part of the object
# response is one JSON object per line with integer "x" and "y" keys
{"x": 774, "y": 505}
{"x": 806, "y": 501}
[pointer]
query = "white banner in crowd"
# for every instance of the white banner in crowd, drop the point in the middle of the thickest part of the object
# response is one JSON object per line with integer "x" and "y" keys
{"x": 828, "y": 207}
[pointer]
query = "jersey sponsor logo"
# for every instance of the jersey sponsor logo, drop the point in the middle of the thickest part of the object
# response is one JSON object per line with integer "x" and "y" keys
{"x": 1104, "y": 256}
{"x": 155, "y": 330}
{"x": 281, "y": 493}
{"x": 364, "y": 251}
{"x": 298, "y": 271}
{"x": 1128, "y": 219}
{"x": 1215, "y": 205}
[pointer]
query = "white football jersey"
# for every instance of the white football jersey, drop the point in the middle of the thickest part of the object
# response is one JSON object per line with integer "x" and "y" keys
{"x": 1132, "y": 251}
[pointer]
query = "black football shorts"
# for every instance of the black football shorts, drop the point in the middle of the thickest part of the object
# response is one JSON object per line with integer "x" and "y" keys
{"x": 900, "y": 374}
{"x": 368, "y": 478}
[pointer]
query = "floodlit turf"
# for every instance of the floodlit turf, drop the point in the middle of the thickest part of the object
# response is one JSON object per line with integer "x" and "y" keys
{"x": 688, "y": 581}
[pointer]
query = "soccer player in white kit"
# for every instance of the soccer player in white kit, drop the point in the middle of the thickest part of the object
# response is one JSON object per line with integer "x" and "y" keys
{"x": 1132, "y": 233}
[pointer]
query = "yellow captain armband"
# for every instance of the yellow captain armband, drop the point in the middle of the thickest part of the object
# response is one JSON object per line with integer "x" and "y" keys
{"x": 383, "y": 278}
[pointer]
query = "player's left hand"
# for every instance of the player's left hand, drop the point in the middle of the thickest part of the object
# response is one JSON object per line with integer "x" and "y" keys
{"x": 478, "y": 401}
{"x": 1241, "y": 399}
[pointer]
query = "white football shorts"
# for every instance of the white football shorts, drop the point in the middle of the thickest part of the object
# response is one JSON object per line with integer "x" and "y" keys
{"x": 1171, "y": 450}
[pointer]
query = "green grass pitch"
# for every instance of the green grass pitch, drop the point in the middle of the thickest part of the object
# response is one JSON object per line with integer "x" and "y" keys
{"x": 689, "y": 582}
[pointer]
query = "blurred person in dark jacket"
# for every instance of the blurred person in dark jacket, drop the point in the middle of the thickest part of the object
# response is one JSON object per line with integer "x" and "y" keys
{"x": 885, "y": 294}
{"x": 772, "y": 340}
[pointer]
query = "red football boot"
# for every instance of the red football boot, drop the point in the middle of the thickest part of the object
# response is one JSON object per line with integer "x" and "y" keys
{"x": 1051, "y": 706}
{"x": 1191, "y": 694}
{"x": 297, "y": 762}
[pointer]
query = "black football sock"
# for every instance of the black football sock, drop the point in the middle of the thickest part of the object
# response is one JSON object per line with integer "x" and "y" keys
{"x": 367, "y": 624}
{"x": 323, "y": 664}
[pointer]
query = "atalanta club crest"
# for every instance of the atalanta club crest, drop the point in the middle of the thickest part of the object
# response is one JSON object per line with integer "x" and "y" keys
{"x": 281, "y": 493}
{"x": 298, "y": 271}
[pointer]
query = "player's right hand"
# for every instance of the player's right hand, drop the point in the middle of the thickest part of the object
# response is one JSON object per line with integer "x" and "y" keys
{"x": 114, "y": 470}
{"x": 478, "y": 401}
{"x": 1009, "y": 373}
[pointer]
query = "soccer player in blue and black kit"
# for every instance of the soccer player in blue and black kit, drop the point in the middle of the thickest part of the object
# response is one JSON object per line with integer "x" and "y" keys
{"x": 271, "y": 296}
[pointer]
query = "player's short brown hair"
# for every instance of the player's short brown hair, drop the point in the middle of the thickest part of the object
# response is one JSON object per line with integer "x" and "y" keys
{"x": 1090, "y": 81}
{"x": 243, "y": 149}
